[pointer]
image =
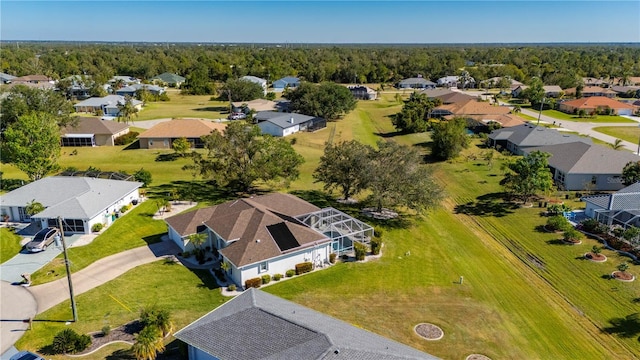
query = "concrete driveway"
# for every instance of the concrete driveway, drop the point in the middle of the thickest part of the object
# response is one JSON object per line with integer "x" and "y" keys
{"x": 17, "y": 305}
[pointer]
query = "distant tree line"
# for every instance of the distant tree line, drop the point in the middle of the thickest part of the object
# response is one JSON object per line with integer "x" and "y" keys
{"x": 554, "y": 64}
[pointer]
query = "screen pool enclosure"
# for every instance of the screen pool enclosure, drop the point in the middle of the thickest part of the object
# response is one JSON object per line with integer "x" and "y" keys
{"x": 342, "y": 229}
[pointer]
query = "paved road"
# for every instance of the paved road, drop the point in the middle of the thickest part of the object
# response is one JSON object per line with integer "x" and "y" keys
{"x": 17, "y": 305}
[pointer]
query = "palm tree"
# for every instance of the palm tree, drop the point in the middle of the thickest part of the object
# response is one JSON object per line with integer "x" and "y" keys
{"x": 33, "y": 208}
{"x": 117, "y": 85}
{"x": 126, "y": 110}
{"x": 623, "y": 267}
{"x": 596, "y": 250}
{"x": 198, "y": 239}
{"x": 225, "y": 266}
{"x": 617, "y": 145}
{"x": 148, "y": 344}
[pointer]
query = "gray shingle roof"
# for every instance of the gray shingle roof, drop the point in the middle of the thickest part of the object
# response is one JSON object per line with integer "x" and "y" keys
{"x": 254, "y": 79}
{"x": 70, "y": 197}
{"x": 528, "y": 135}
{"x": 283, "y": 120}
{"x": 169, "y": 78}
{"x": 95, "y": 126}
{"x": 416, "y": 80}
{"x": 258, "y": 325}
{"x": 109, "y": 100}
{"x": 582, "y": 158}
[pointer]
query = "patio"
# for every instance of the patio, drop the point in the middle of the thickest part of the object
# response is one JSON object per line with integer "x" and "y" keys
{"x": 341, "y": 228}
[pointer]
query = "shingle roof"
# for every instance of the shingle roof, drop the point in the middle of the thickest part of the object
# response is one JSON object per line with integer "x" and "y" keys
{"x": 28, "y": 78}
{"x": 70, "y": 197}
{"x": 254, "y": 79}
{"x": 582, "y": 158}
{"x": 283, "y": 120}
{"x": 597, "y": 101}
{"x": 528, "y": 135}
{"x": 434, "y": 93}
{"x": 92, "y": 125}
{"x": 474, "y": 107}
{"x": 258, "y": 325}
{"x": 627, "y": 198}
{"x": 136, "y": 87}
{"x": 178, "y": 128}
{"x": 416, "y": 80}
{"x": 6, "y": 77}
{"x": 169, "y": 78}
{"x": 246, "y": 221}
{"x": 109, "y": 100}
{"x": 506, "y": 120}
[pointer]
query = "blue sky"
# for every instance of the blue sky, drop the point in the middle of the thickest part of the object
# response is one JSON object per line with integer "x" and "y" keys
{"x": 322, "y": 21}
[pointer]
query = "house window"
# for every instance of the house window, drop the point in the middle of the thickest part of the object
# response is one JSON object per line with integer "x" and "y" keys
{"x": 264, "y": 266}
{"x": 560, "y": 177}
{"x": 594, "y": 180}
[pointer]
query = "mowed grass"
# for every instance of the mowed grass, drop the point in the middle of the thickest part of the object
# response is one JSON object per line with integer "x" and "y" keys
{"x": 136, "y": 228}
{"x": 9, "y": 244}
{"x": 597, "y": 119}
{"x": 189, "y": 295}
{"x": 184, "y": 106}
{"x": 628, "y": 133}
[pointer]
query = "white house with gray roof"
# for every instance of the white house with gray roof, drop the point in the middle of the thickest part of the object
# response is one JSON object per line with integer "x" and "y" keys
{"x": 517, "y": 138}
{"x": 81, "y": 202}
{"x": 416, "y": 83}
{"x": 620, "y": 208}
{"x": 108, "y": 105}
{"x": 582, "y": 166}
{"x": 254, "y": 79}
{"x": 284, "y": 124}
{"x": 258, "y": 325}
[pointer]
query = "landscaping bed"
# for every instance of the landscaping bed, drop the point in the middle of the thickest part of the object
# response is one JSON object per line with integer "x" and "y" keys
{"x": 125, "y": 333}
{"x": 595, "y": 257}
{"x": 429, "y": 331}
{"x": 622, "y": 276}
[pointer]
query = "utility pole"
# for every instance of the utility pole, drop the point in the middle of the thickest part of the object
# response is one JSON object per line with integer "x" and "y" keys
{"x": 66, "y": 264}
{"x": 540, "y": 112}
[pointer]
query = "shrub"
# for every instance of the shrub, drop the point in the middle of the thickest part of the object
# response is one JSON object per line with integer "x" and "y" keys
{"x": 572, "y": 235}
{"x": 124, "y": 209}
{"x": 253, "y": 283}
{"x": 143, "y": 176}
{"x": 377, "y": 232}
{"x": 376, "y": 245}
{"x": 127, "y": 138}
{"x": 304, "y": 267}
{"x": 360, "y": 250}
{"x": 618, "y": 231}
{"x": 232, "y": 287}
{"x": 557, "y": 209}
{"x": 290, "y": 273}
{"x": 69, "y": 341}
{"x": 266, "y": 279}
{"x": 277, "y": 277}
{"x": 97, "y": 227}
{"x": 558, "y": 223}
{"x": 593, "y": 226}
{"x": 106, "y": 330}
{"x": 186, "y": 254}
{"x": 332, "y": 258}
{"x": 631, "y": 233}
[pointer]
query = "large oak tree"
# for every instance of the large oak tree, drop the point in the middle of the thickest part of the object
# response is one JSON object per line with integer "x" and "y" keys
{"x": 327, "y": 100}
{"x": 528, "y": 176}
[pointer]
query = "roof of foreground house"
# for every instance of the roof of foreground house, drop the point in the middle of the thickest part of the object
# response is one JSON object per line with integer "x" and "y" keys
{"x": 92, "y": 125}
{"x": 473, "y": 107}
{"x": 283, "y": 120}
{"x": 258, "y": 325}
{"x": 527, "y": 135}
{"x": 70, "y": 197}
{"x": 259, "y": 228}
{"x": 627, "y": 198}
{"x": 597, "y": 101}
{"x": 182, "y": 128}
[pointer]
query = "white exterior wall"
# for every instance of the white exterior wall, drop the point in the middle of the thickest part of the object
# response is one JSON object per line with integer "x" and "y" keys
{"x": 604, "y": 182}
{"x": 176, "y": 238}
{"x": 590, "y": 210}
{"x": 281, "y": 264}
{"x": 272, "y": 129}
{"x": 197, "y": 354}
{"x": 115, "y": 207}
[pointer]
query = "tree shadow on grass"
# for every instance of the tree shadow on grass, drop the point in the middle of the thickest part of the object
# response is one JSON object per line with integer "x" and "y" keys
{"x": 167, "y": 157}
{"x": 207, "y": 280}
{"x": 389, "y": 134}
{"x": 626, "y": 327}
{"x": 557, "y": 242}
{"x": 200, "y": 191}
{"x": 133, "y": 146}
{"x": 122, "y": 354}
{"x": 212, "y": 108}
{"x": 493, "y": 204}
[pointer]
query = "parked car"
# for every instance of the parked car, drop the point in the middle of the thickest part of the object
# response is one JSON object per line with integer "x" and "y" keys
{"x": 237, "y": 116}
{"x": 26, "y": 355}
{"x": 42, "y": 239}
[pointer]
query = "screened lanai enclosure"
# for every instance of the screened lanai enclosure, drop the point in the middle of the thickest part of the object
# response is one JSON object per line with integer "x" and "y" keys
{"x": 342, "y": 229}
{"x": 624, "y": 218}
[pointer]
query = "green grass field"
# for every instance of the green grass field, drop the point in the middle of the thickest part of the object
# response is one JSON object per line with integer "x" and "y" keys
{"x": 597, "y": 119}
{"x": 183, "y": 106}
{"x": 628, "y": 133}
{"x": 9, "y": 244}
{"x": 524, "y": 296}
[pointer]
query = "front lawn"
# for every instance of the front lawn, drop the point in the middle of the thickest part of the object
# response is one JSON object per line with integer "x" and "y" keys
{"x": 186, "y": 294}
{"x": 134, "y": 229}
{"x": 628, "y": 133}
{"x": 9, "y": 244}
{"x": 597, "y": 119}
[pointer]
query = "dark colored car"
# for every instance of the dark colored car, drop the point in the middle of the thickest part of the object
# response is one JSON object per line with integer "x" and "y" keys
{"x": 42, "y": 239}
{"x": 26, "y": 355}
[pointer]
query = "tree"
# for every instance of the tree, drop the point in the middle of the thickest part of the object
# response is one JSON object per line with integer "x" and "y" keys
{"x": 157, "y": 318}
{"x": 198, "y": 239}
{"x": 344, "y": 166}
{"x": 504, "y": 83}
{"x": 535, "y": 92}
{"x": 181, "y": 146}
{"x": 617, "y": 145}
{"x": 631, "y": 173}
{"x": 126, "y": 110}
{"x": 397, "y": 178}
{"x": 198, "y": 83}
{"x": 143, "y": 176}
{"x": 32, "y": 144}
{"x": 241, "y": 90}
{"x": 33, "y": 208}
{"x": 415, "y": 114}
{"x": 596, "y": 249}
{"x": 148, "y": 344}
{"x": 579, "y": 90}
{"x": 528, "y": 175}
{"x": 449, "y": 138}
{"x": 23, "y": 100}
{"x": 243, "y": 155}
{"x": 623, "y": 267}
{"x": 327, "y": 100}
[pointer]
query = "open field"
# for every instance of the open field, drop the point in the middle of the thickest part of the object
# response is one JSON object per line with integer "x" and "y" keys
{"x": 524, "y": 296}
{"x": 628, "y": 133}
{"x": 597, "y": 119}
{"x": 180, "y": 106}
{"x": 9, "y": 244}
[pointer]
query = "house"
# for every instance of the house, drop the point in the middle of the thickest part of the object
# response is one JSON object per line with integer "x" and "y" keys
{"x": 416, "y": 83}
{"x": 256, "y": 105}
{"x": 469, "y": 107}
{"x": 81, "y": 202}
{"x": 258, "y": 325}
{"x": 91, "y": 131}
{"x": 168, "y": 79}
{"x": 582, "y": 166}
{"x": 504, "y": 120}
{"x": 162, "y": 135}
{"x": 125, "y": 80}
{"x": 626, "y": 91}
{"x": 590, "y": 81}
{"x": 589, "y": 91}
{"x": 361, "y": 92}
{"x": 269, "y": 234}
{"x": 284, "y": 124}
{"x": 285, "y": 82}
{"x": 550, "y": 91}
{"x": 260, "y": 81}
{"x": 131, "y": 90}
{"x": 620, "y": 208}
{"x": 517, "y": 139}
{"x": 448, "y": 96}
{"x": 107, "y": 105}
{"x": 448, "y": 81}
{"x": 32, "y": 79}
{"x": 6, "y": 78}
{"x": 597, "y": 105}
{"x": 494, "y": 81}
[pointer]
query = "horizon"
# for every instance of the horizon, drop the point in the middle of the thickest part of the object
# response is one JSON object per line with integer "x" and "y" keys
{"x": 322, "y": 22}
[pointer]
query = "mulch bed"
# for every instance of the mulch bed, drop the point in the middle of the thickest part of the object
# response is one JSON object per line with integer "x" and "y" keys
{"x": 123, "y": 333}
{"x": 477, "y": 357}
{"x": 429, "y": 331}
{"x": 595, "y": 257}
{"x": 623, "y": 276}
